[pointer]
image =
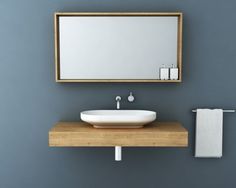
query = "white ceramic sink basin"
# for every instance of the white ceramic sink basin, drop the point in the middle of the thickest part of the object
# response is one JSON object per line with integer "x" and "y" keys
{"x": 118, "y": 118}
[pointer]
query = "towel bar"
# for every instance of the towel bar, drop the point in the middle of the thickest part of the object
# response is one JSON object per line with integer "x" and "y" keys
{"x": 223, "y": 110}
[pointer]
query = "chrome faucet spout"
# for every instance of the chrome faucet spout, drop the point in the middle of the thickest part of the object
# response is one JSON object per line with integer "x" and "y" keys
{"x": 118, "y": 99}
{"x": 118, "y": 105}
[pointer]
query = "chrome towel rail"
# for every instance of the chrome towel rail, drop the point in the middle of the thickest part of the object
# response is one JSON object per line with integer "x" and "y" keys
{"x": 223, "y": 110}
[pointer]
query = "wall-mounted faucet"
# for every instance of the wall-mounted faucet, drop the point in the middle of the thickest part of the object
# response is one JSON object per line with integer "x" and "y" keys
{"x": 118, "y": 99}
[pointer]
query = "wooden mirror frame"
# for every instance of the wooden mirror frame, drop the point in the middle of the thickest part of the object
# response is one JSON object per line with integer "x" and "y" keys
{"x": 57, "y": 47}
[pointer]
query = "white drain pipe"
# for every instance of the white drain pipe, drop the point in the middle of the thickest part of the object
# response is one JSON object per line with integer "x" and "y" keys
{"x": 118, "y": 153}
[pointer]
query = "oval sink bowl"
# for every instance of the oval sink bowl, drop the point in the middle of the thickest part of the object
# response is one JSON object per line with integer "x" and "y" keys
{"x": 118, "y": 118}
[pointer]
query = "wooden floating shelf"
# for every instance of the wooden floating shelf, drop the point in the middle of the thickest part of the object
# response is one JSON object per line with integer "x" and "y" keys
{"x": 156, "y": 134}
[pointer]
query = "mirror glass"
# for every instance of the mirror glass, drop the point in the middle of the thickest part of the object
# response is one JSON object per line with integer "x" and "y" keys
{"x": 116, "y": 47}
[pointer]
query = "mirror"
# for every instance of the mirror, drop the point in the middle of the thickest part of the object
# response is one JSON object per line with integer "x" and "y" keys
{"x": 117, "y": 47}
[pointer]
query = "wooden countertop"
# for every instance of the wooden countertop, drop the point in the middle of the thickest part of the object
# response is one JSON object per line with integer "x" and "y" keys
{"x": 80, "y": 134}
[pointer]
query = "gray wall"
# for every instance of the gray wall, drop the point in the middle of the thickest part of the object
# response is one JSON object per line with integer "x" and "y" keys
{"x": 31, "y": 102}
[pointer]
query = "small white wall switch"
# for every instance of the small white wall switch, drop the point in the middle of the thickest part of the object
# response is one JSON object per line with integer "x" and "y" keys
{"x": 174, "y": 73}
{"x": 164, "y": 73}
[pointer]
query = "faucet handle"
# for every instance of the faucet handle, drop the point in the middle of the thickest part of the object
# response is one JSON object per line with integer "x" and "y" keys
{"x": 131, "y": 97}
{"x": 118, "y": 98}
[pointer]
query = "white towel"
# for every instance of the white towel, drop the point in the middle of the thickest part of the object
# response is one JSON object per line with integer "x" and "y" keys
{"x": 209, "y": 133}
